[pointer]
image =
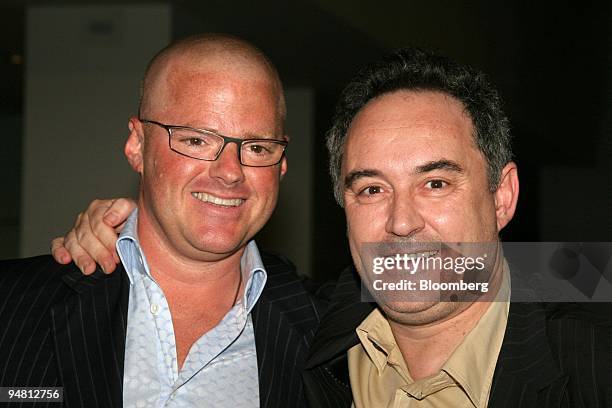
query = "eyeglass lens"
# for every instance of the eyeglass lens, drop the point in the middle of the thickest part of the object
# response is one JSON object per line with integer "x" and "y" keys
{"x": 207, "y": 146}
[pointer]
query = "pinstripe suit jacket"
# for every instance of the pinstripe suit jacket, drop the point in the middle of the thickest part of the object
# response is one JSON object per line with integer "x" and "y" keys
{"x": 553, "y": 355}
{"x": 60, "y": 328}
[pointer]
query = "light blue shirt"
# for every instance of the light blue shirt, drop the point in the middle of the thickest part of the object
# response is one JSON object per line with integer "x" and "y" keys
{"x": 220, "y": 369}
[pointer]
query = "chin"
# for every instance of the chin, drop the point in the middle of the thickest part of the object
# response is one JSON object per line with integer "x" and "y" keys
{"x": 220, "y": 247}
{"x": 419, "y": 313}
{"x": 216, "y": 243}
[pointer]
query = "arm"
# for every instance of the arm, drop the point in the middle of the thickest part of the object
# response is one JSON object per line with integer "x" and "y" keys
{"x": 94, "y": 234}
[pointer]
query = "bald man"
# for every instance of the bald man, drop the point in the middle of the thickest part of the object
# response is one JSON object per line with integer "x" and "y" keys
{"x": 195, "y": 315}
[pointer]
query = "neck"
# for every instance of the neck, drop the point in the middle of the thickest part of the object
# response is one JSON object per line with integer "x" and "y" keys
{"x": 426, "y": 348}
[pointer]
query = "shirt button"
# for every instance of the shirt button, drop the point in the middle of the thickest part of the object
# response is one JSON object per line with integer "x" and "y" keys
{"x": 154, "y": 308}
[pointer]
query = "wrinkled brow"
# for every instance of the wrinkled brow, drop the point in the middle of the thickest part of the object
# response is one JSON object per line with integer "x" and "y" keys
{"x": 442, "y": 164}
{"x": 357, "y": 174}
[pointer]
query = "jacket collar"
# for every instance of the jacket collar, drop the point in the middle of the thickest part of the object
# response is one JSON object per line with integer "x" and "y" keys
{"x": 336, "y": 333}
{"x": 284, "y": 321}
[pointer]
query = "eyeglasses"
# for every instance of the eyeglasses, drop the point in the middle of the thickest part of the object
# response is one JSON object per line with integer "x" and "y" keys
{"x": 204, "y": 144}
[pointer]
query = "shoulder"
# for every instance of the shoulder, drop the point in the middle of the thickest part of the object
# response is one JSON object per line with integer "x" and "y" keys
{"x": 29, "y": 288}
{"x": 565, "y": 325}
{"x": 581, "y": 327}
{"x": 284, "y": 279}
{"x": 33, "y": 274}
{"x": 295, "y": 297}
{"x": 32, "y": 285}
{"x": 580, "y": 335}
{"x": 593, "y": 314}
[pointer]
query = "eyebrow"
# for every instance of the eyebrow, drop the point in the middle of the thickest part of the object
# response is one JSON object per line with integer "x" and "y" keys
{"x": 357, "y": 174}
{"x": 247, "y": 136}
{"x": 442, "y": 164}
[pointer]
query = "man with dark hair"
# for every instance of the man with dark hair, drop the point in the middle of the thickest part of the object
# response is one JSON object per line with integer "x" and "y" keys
{"x": 409, "y": 158}
{"x": 420, "y": 155}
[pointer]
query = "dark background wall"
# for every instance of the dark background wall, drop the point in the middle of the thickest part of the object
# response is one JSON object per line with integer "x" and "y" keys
{"x": 550, "y": 61}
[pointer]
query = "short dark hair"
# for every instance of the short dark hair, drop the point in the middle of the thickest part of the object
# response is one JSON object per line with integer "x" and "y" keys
{"x": 414, "y": 69}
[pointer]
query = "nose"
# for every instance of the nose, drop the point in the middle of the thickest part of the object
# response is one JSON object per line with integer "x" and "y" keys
{"x": 404, "y": 219}
{"x": 227, "y": 167}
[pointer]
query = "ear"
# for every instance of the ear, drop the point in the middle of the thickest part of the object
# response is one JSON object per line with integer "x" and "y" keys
{"x": 506, "y": 195}
{"x": 134, "y": 146}
{"x": 284, "y": 166}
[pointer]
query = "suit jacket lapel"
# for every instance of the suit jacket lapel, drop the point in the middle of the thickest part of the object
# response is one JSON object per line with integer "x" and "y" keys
{"x": 326, "y": 376}
{"x": 89, "y": 332}
{"x": 526, "y": 374}
{"x": 284, "y": 320}
{"x": 336, "y": 333}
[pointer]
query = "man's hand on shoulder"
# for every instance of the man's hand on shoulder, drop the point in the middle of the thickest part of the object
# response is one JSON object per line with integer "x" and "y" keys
{"x": 94, "y": 234}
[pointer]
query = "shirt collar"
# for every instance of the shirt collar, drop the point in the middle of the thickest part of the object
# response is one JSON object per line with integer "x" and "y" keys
{"x": 129, "y": 250}
{"x": 254, "y": 272}
{"x": 377, "y": 339}
{"x": 134, "y": 261}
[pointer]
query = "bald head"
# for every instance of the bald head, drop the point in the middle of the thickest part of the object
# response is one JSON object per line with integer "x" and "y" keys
{"x": 216, "y": 54}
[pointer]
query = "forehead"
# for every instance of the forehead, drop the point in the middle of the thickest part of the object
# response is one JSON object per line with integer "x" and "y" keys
{"x": 218, "y": 97}
{"x": 407, "y": 128}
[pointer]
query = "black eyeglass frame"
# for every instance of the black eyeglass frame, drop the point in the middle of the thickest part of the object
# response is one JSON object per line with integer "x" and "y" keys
{"x": 226, "y": 140}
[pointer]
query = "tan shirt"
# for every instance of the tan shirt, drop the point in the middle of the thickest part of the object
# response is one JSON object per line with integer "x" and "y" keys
{"x": 380, "y": 378}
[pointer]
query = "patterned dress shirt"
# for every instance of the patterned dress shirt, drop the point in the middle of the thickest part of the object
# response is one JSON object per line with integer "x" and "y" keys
{"x": 220, "y": 369}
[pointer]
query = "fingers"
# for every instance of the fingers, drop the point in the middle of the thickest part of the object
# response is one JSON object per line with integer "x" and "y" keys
{"x": 59, "y": 252}
{"x": 93, "y": 241}
{"x": 118, "y": 212}
{"x": 80, "y": 257}
{"x": 95, "y": 237}
{"x": 107, "y": 218}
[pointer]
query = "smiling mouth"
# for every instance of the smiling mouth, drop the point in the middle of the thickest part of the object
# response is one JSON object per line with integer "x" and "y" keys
{"x": 223, "y": 202}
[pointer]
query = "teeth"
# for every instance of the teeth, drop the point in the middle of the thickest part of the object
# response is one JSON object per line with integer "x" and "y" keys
{"x": 209, "y": 198}
{"x": 412, "y": 255}
{"x": 425, "y": 254}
